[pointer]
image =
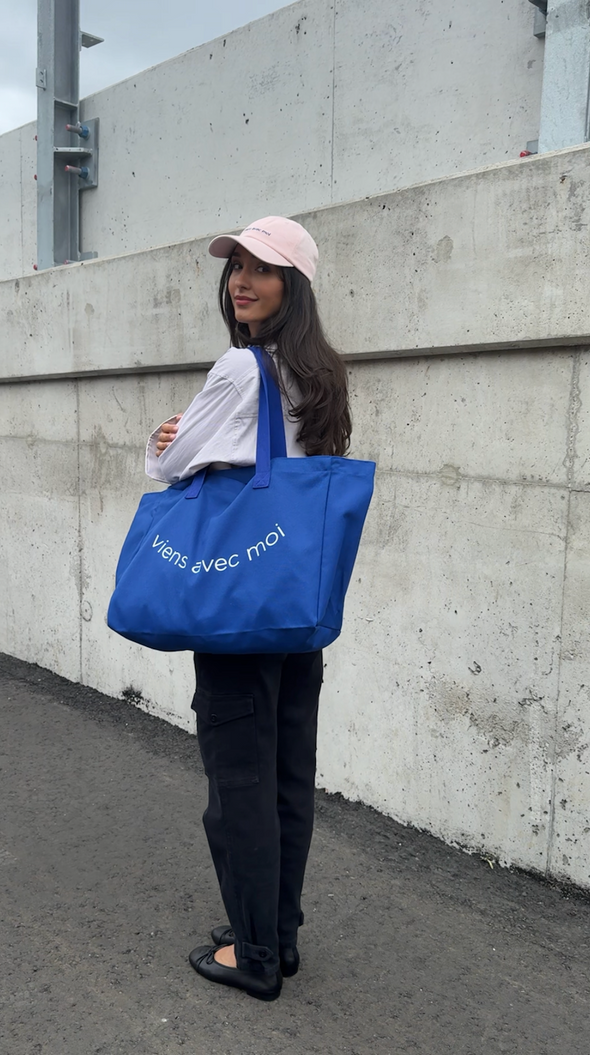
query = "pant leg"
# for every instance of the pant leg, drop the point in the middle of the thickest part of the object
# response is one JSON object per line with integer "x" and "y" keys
{"x": 301, "y": 680}
{"x": 236, "y": 703}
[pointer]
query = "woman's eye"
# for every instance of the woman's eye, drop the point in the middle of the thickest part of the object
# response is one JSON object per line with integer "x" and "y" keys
{"x": 236, "y": 265}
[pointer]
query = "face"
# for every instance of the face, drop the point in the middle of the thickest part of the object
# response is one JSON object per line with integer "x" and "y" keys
{"x": 256, "y": 289}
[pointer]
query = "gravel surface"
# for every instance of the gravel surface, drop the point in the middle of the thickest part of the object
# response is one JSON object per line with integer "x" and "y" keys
{"x": 409, "y": 945}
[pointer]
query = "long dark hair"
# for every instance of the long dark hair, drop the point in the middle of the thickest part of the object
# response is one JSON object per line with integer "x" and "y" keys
{"x": 317, "y": 368}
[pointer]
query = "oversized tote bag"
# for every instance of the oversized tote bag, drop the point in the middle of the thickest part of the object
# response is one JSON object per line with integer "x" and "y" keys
{"x": 254, "y": 559}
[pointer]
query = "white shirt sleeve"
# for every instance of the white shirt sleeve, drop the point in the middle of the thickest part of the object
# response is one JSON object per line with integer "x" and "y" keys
{"x": 151, "y": 454}
{"x": 209, "y": 414}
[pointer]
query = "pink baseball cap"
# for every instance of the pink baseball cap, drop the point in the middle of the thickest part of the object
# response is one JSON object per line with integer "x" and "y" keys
{"x": 276, "y": 240}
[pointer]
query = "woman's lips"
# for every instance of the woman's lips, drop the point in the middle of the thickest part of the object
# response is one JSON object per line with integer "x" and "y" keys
{"x": 244, "y": 300}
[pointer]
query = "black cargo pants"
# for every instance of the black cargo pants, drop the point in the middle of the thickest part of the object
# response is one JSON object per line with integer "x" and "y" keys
{"x": 257, "y": 730}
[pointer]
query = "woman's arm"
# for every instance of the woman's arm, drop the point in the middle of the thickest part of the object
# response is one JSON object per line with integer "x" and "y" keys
{"x": 204, "y": 433}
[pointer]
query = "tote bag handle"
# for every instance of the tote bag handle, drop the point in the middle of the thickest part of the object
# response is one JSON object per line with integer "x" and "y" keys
{"x": 270, "y": 439}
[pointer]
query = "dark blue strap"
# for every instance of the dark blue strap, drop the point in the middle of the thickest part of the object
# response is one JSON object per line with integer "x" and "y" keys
{"x": 270, "y": 439}
{"x": 194, "y": 488}
{"x": 270, "y": 442}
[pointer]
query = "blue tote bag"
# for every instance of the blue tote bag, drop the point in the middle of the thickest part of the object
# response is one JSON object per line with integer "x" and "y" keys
{"x": 254, "y": 559}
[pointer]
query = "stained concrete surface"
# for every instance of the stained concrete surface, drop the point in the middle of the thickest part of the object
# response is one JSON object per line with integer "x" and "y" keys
{"x": 466, "y": 613}
{"x": 409, "y": 946}
{"x": 319, "y": 102}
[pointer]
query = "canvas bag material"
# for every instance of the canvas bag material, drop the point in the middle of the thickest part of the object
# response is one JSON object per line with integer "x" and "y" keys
{"x": 245, "y": 560}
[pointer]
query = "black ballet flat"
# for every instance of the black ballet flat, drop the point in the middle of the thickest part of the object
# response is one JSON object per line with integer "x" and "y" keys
{"x": 224, "y": 935}
{"x": 260, "y": 986}
{"x": 289, "y": 961}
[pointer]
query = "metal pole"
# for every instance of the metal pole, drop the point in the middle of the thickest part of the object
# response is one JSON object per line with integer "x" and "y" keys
{"x": 67, "y": 154}
{"x": 45, "y": 131}
{"x": 566, "y": 76}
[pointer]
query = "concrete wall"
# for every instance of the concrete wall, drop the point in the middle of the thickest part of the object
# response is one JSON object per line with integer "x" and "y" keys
{"x": 491, "y": 259}
{"x": 18, "y": 202}
{"x": 457, "y": 697}
{"x": 318, "y": 103}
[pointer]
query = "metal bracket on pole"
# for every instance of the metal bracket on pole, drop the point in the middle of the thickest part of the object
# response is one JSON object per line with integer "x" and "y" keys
{"x": 67, "y": 152}
{"x": 88, "y": 40}
{"x": 88, "y": 155}
{"x": 540, "y": 22}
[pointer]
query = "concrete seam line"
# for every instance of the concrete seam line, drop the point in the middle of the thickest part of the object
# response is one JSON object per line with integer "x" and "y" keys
{"x": 80, "y": 568}
{"x": 574, "y": 404}
{"x": 558, "y": 701}
{"x": 557, "y": 344}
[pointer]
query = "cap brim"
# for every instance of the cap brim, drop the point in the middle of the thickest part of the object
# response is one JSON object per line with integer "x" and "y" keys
{"x": 224, "y": 245}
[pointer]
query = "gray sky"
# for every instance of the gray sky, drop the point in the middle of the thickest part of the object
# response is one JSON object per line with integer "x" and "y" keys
{"x": 138, "y": 33}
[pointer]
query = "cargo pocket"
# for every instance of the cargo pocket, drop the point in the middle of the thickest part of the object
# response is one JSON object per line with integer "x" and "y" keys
{"x": 226, "y": 728}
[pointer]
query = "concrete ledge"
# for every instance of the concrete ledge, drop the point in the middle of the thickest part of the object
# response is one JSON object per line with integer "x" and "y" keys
{"x": 493, "y": 260}
{"x": 562, "y": 345}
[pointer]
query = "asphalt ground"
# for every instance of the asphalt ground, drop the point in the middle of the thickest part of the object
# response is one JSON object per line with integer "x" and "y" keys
{"x": 106, "y": 885}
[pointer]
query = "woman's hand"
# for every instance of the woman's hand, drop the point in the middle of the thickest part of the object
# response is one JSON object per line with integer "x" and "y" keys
{"x": 166, "y": 434}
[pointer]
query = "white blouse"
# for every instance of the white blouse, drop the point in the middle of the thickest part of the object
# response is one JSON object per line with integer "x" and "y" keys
{"x": 219, "y": 428}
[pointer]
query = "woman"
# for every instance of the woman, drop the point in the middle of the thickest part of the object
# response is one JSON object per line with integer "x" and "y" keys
{"x": 257, "y": 714}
